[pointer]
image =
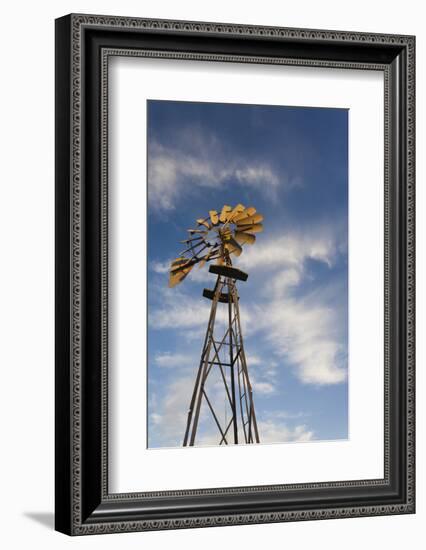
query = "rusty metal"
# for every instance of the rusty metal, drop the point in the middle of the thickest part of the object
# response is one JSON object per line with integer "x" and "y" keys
{"x": 217, "y": 237}
{"x": 241, "y": 427}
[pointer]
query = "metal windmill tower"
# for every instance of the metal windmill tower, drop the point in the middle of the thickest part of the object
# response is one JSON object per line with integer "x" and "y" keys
{"x": 217, "y": 238}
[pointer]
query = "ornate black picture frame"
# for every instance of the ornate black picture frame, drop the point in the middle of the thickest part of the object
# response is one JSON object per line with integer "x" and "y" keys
{"x": 84, "y": 44}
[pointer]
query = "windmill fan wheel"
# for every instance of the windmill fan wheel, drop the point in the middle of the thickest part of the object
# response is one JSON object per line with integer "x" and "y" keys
{"x": 216, "y": 238}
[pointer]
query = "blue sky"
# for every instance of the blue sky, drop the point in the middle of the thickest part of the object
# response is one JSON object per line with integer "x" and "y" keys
{"x": 291, "y": 164}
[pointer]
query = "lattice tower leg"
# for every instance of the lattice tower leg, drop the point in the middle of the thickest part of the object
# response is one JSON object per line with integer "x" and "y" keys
{"x": 238, "y": 393}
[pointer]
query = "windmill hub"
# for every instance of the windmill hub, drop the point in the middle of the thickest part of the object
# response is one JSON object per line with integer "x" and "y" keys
{"x": 225, "y": 234}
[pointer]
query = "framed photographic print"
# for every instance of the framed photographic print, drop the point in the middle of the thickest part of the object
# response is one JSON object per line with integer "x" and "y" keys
{"x": 234, "y": 274}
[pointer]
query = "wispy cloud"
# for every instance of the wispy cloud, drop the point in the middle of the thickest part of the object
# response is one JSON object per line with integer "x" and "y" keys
{"x": 263, "y": 388}
{"x": 303, "y": 328}
{"x": 263, "y": 374}
{"x": 160, "y": 267}
{"x": 200, "y": 160}
{"x": 269, "y": 432}
{"x": 180, "y": 310}
{"x": 168, "y": 421}
{"x": 274, "y": 432}
{"x": 284, "y": 415}
{"x": 168, "y": 359}
{"x": 308, "y": 336}
{"x": 293, "y": 249}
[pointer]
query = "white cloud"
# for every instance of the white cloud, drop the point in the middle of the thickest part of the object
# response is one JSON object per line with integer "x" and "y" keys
{"x": 284, "y": 415}
{"x": 174, "y": 360}
{"x": 169, "y": 415}
{"x": 262, "y": 373}
{"x": 178, "y": 310}
{"x": 285, "y": 280}
{"x": 201, "y": 275}
{"x": 253, "y": 360}
{"x": 160, "y": 267}
{"x": 292, "y": 250}
{"x": 308, "y": 336}
{"x": 272, "y": 432}
{"x": 269, "y": 432}
{"x": 156, "y": 419}
{"x": 168, "y": 421}
{"x": 264, "y": 388}
{"x": 201, "y": 160}
{"x": 254, "y": 175}
{"x": 168, "y": 426}
{"x": 305, "y": 330}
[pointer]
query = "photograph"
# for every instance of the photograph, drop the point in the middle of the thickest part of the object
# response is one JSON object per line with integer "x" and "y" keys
{"x": 234, "y": 272}
{"x": 247, "y": 274}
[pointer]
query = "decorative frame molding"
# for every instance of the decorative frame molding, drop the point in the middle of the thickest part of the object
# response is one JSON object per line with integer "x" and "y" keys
{"x": 84, "y": 44}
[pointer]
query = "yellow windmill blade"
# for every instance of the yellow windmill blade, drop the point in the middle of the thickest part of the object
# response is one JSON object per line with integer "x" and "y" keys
{"x": 214, "y": 217}
{"x": 179, "y": 268}
{"x": 205, "y": 222}
{"x": 257, "y": 218}
{"x": 250, "y": 211}
{"x": 255, "y": 228}
{"x": 236, "y": 211}
{"x": 233, "y": 247}
{"x": 178, "y": 263}
{"x": 179, "y": 275}
{"x": 226, "y": 209}
{"x": 207, "y": 256}
{"x": 244, "y": 238}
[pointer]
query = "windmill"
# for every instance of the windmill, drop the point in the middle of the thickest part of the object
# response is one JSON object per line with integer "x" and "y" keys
{"x": 215, "y": 239}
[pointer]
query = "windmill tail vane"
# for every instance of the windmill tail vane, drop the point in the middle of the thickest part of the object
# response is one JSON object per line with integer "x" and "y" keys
{"x": 223, "y": 363}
